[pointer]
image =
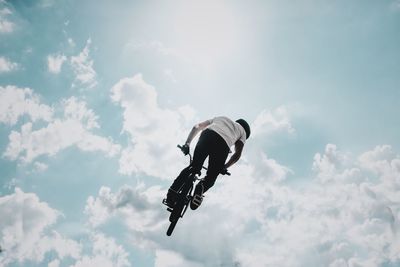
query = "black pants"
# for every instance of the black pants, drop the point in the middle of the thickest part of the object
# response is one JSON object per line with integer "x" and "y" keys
{"x": 212, "y": 145}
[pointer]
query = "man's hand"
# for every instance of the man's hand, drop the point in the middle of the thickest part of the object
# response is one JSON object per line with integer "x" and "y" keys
{"x": 236, "y": 156}
{"x": 185, "y": 149}
{"x": 224, "y": 171}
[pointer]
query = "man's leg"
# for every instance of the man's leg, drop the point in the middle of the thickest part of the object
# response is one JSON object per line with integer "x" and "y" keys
{"x": 216, "y": 163}
{"x": 218, "y": 152}
{"x": 201, "y": 151}
{"x": 178, "y": 182}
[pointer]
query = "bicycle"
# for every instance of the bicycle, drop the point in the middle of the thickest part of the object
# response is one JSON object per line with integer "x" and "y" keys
{"x": 184, "y": 197}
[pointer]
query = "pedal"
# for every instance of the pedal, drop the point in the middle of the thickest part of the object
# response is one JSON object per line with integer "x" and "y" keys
{"x": 197, "y": 199}
{"x": 169, "y": 208}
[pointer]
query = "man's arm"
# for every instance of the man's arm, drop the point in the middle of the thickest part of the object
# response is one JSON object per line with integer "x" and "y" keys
{"x": 236, "y": 156}
{"x": 195, "y": 130}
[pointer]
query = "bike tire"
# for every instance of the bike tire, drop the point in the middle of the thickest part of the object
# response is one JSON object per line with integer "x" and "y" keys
{"x": 171, "y": 228}
{"x": 177, "y": 211}
{"x": 173, "y": 218}
{"x": 180, "y": 206}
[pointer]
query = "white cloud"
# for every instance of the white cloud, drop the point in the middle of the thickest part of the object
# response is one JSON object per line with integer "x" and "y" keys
{"x": 92, "y": 142}
{"x": 77, "y": 110}
{"x": 250, "y": 220}
{"x": 55, "y": 62}
{"x": 82, "y": 65}
{"x": 384, "y": 163}
{"x": 71, "y": 42}
{"x": 154, "y": 131}
{"x": 6, "y": 65}
{"x": 269, "y": 168}
{"x": 24, "y": 230}
{"x": 139, "y": 209}
{"x": 328, "y": 164}
{"x": 380, "y": 160}
{"x": 16, "y": 102}
{"x": 6, "y": 26}
{"x": 322, "y": 226}
{"x": 39, "y": 166}
{"x": 28, "y": 50}
{"x": 14, "y": 182}
{"x": 105, "y": 252}
{"x": 74, "y": 128}
{"x": 26, "y": 235}
{"x": 167, "y": 258}
{"x": 54, "y": 263}
{"x": 268, "y": 122}
{"x": 134, "y": 204}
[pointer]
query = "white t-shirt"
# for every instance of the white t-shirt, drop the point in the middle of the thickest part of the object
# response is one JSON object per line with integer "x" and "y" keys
{"x": 229, "y": 130}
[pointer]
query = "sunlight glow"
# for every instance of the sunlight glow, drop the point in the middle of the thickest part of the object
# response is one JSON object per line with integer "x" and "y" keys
{"x": 206, "y": 32}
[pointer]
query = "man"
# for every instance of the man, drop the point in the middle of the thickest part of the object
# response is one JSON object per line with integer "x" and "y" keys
{"x": 218, "y": 135}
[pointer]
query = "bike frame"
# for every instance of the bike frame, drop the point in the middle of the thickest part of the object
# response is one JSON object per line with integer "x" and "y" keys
{"x": 184, "y": 197}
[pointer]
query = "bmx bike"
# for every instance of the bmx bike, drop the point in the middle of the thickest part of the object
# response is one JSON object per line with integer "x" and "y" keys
{"x": 184, "y": 196}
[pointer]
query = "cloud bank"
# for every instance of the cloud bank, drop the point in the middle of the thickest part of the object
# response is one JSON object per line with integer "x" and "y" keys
{"x": 268, "y": 122}
{"x": 350, "y": 219}
{"x": 28, "y": 236}
{"x": 25, "y": 234}
{"x": 154, "y": 131}
{"x": 16, "y": 102}
{"x": 74, "y": 127}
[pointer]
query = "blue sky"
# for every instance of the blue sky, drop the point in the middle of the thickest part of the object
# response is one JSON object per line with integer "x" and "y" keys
{"x": 96, "y": 95}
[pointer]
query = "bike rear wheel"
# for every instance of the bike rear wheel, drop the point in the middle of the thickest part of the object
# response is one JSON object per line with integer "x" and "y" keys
{"x": 174, "y": 216}
{"x": 176, "y": 212}
{"x": 181, "y": 205}
{"x": 171, "y": 228}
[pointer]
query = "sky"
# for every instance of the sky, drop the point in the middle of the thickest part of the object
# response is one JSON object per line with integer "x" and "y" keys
{"x": 95, "y": 96}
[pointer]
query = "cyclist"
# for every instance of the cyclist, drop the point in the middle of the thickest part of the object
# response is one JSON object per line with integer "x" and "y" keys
{"x": 218, "y": 135}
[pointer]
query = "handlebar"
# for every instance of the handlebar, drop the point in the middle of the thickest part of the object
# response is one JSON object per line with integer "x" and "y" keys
{"x": 223, "y": 172}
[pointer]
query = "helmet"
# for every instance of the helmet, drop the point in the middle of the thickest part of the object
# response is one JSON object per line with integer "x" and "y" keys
{"x": 245, "y": 126}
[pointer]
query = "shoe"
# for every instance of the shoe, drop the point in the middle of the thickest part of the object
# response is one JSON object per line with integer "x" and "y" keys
{"x": 197, "y": 197}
